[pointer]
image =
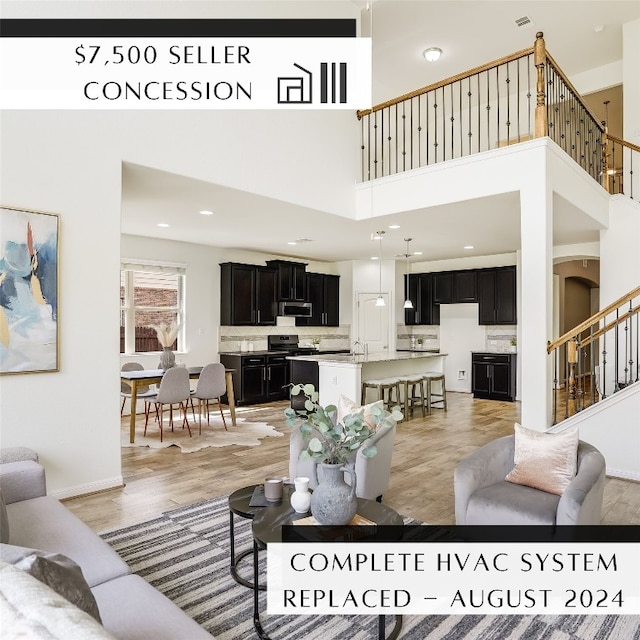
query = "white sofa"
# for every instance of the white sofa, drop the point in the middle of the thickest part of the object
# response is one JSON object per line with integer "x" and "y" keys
{"x": 129, "y": 607}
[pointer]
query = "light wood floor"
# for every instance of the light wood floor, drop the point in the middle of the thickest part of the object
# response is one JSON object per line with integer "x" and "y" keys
{"x": 425, "y": 454}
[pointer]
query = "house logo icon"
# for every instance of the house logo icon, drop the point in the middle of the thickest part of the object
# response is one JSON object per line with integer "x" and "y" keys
{"x": 298, "y": 89}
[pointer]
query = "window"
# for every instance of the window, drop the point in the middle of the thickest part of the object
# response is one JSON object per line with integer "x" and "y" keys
{"x": 150, "y": 294}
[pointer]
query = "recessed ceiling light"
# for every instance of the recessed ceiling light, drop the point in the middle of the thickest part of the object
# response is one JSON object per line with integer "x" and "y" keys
{"x": 374, "y": 257}
{"x": 292, "y": 243}
{"x": 599, "y": 28}
{"x": 417, "y": 253}
{"x": 432, "y": 54}
{"x": 162, "y": 224}
{"x": 394, "y": 226}
{"x": 206, "y": 212}
{"x": 468, "y": 246}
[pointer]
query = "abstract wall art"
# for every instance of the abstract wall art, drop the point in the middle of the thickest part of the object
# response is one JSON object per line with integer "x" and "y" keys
{"x": 29, "y": 243}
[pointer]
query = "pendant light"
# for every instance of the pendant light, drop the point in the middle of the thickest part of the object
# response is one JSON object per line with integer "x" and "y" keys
{"x": 380, "y": 299}
{"x": 407, "y": 303}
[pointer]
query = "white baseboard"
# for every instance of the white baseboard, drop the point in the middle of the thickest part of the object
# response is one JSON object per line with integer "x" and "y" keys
{"x": 91, "y": 487}
{"x": 623, "y": 475}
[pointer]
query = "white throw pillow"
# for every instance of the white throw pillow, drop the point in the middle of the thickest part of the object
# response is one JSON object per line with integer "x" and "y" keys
{"x": 545, "y": 461}
{"x": 347, "y": 406}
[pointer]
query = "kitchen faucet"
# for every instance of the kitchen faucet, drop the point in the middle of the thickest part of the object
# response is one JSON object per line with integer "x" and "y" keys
{"x": 365, "y": 349}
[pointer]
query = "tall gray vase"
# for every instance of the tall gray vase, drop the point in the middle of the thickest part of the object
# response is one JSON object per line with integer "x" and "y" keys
{"x": 167, "y": 358}
{"x": 333, "y": 501}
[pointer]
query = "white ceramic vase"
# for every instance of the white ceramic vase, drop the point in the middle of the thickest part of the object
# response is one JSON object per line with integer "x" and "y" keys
{"x": 301, "y": 497}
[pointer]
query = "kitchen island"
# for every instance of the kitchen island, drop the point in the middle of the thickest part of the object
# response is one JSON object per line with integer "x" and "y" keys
{"x": 343, "y": 374}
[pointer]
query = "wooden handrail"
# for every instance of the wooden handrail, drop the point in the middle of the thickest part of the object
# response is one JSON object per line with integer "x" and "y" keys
{"x": 634, "y": 293}
{"x": 624, "y": 143}
{"x": 611, "y": 325}
{"x": 566, "y": 80}
{"x": 447, "y": 81}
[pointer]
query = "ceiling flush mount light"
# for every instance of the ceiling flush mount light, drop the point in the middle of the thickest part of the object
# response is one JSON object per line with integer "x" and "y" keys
{"x": 407, "y": 303}
{"x": 432, "y": 54}
{"x": 164, "y": 225}
{"x": 206, "y": 212}
{"x": 292, "y": 243}
{"x": 394, "y": 226}
{"x": 468, "y": 246}
{"x": 380, "y": 299}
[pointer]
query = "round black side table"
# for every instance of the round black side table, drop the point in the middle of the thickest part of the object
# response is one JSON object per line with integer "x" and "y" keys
{"x": 267, "y": 527}
{"x": 239, "y": 504}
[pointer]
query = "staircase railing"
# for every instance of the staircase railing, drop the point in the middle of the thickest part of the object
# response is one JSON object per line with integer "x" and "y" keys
{"x": 514, "y": 99}
{"x": 597, "y": 358}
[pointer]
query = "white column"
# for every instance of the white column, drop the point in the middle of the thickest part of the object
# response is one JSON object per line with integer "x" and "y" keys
{"x": 536, "y": 282}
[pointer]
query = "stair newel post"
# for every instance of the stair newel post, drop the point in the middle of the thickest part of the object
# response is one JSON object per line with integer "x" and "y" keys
{"x": 555, "y": 384}
{"x": 572, "y": 360}
{"x": 540, "y": 61}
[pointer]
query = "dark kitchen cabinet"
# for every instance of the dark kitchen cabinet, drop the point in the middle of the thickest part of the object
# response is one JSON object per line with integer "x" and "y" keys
{"x": 443, "y": 287}
{"x": 419, "y": 288}
{"x": 323, "y": 292}
{"x": 247, "y": 294}
{"x": 291, "y": 280}
{"x": 497, "y": 295}
{"x": 257, "y": 378}
{"x": 493, "y": 376}
{"x": 465, "y": 286}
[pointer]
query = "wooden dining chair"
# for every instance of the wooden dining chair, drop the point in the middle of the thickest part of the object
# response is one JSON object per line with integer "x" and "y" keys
{"x": 174, "y": 389}
{"x": 211, "y": 386}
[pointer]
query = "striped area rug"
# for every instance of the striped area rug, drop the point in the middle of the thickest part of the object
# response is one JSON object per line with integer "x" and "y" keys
{"x": 185, "y": 554}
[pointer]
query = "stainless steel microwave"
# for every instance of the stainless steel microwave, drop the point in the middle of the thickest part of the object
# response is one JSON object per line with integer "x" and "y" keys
{"x": 295, "y": 309}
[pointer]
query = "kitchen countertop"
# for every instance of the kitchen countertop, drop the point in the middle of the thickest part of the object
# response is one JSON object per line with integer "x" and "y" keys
{"x": 278, "y": 353}
{"x": 372, "y": 357}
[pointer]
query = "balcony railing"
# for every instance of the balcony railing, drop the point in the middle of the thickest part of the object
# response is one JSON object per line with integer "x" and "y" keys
{"x": 597, "y": 358}
{"x": 514, "y": 99}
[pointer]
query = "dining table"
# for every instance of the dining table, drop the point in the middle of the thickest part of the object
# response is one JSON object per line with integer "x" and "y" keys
{"x": 143, "y": 377}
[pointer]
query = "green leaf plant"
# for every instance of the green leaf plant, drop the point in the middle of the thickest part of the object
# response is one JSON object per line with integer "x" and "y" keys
{"x": 336, "y": 442}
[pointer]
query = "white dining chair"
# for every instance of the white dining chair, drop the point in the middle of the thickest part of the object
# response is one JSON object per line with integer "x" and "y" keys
{"x": 174, "y": 389}
{"x": 211, "y": 386}
{"x": 144, "y": 392}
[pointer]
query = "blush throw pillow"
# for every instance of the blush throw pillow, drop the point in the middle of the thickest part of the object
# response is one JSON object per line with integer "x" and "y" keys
{"x": 347, "y": 406}
{"x": 545, "y": 461}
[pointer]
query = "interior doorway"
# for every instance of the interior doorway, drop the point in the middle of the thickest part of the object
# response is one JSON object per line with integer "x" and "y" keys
{"x": 373, "y": 322}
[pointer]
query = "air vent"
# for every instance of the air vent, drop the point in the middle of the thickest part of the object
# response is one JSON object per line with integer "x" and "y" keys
{"x": 524, "y": 21}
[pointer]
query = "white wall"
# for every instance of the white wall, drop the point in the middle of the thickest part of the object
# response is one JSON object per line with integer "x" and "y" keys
{"x": 460, "y": 335}
{"x": 631, "y": 80}
{"x": 70, "y": 163}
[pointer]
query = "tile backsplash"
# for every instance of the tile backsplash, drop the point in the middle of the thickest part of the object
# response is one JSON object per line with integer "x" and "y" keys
{"x": 499, "y": 338}
{"x": 329, "y": 337}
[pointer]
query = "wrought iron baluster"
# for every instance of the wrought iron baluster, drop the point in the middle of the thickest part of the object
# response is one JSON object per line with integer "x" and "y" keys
{"x": 518, "y": 96}
{"x": 411, "y": 134}
{"x": 566, "y": 383}
{"x": 369, "y": 147}
{"x": 419, "y": 133}
{"x": 508, "y": 107}
{"x": 389, "y": 138}
{"x": 631, "y": 173}
{"x": 479, "y": 118}
{"x": 488, "y": 114}
{"x": 362, "y": 149}
{"x": 460, "y": 128}
{"x": 382, "y": 144}
{"x": 498, "y": 106}
{"x": 469, "y": 135}
{"x": 452, "y": 121}
{"x": 616, "y": 344}
{"x": 603, "y": 372}
{"x": 375, "y": 143}
{"x": 555, "y": 385}
{"x": 435, "y": 126}
{"x": 529, "y": 94}
{"x": 396, "y": 138}
{"x": 592, "y": 366}
{"x": 404, "y": 137}
{"x": 444, "y": 125}
{"x": 426, "y": 111}
{"x": 626, "y": 352}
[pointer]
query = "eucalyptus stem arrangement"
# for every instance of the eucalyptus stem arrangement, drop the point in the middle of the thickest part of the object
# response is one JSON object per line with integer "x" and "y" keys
{"x": 336, "y": 442}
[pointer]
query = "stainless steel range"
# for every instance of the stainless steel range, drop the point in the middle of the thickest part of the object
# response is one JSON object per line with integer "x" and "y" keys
{"x": 289, "y": 344}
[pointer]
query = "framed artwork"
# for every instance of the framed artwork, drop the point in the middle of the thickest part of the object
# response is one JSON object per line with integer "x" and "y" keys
{"x": 29, "y": 242}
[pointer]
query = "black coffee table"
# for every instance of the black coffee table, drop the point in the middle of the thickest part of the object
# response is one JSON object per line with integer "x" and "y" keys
{"x": 267, "y": 527}
{"x": 239, "y": 505}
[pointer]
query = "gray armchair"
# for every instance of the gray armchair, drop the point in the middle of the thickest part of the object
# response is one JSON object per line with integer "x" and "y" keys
{"x": 372, "y": 474}
{"x": 483, "y": 496}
